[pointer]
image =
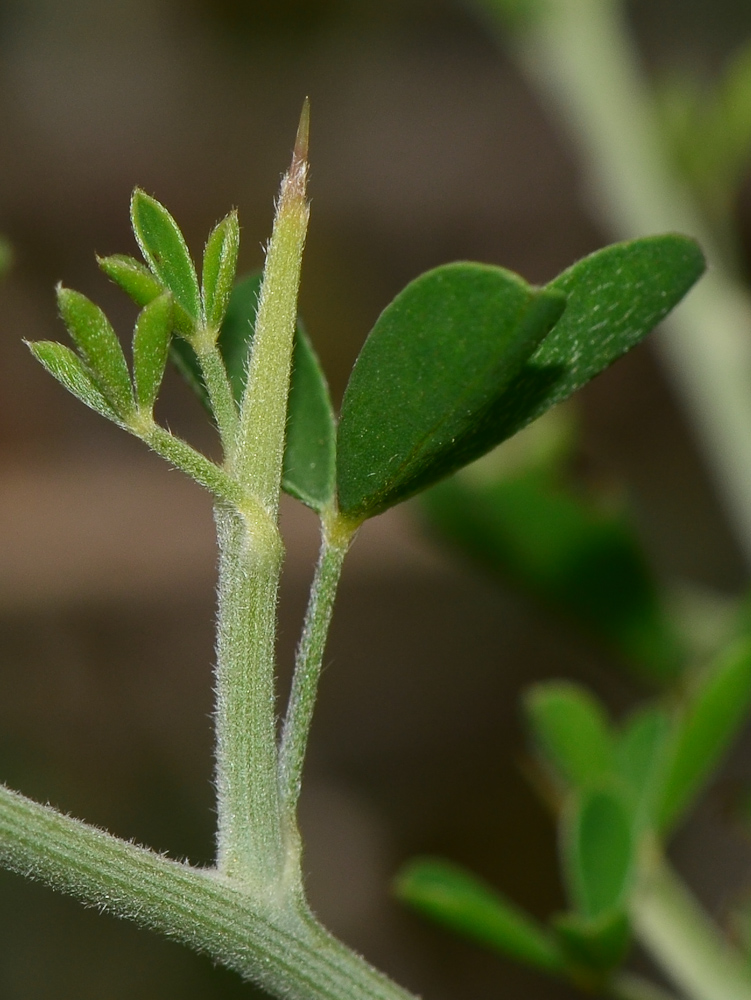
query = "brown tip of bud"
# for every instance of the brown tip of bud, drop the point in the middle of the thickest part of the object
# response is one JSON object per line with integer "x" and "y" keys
{"x": 300, "y": 154}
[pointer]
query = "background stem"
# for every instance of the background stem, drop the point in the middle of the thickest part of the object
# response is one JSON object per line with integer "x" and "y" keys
{"x": 673, "y": 928}
{"x": 579, "y": 55}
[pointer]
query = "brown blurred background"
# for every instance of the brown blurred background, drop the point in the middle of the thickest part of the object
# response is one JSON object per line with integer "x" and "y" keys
{"x": 426, "y": 147}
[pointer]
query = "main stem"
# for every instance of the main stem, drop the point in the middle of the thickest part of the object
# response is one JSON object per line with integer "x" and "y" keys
{"x": 250, "y": 830}
{"x": 579, "y": 55}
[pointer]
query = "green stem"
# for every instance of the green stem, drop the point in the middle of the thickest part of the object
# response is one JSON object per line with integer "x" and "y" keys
{"x": 673, "y": 928}
{"x": 184, "y": 457}
{"x": 263, "y": 414}
{"x": 628, "y": 986}
{"x": 334, "y": 545}
{"x": 249, "y": 828}
{"x": 282, "y": 950}
{"x": 220, "y": 393}
{"x": 579, "y": 55}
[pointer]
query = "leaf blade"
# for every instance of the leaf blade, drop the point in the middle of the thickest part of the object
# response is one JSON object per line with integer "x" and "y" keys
{"x": 219, "y": 266}
{"x": 460, "y": 901}
{"x": 97, "y": 341}
{"x": 423, "y": 395}
{"x": 67, "y": 368}
{"x": 164, "y": 249}
{"x": 151, "y": 338}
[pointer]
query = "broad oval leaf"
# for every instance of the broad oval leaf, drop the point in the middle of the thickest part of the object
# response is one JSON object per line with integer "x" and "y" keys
{"x": 460, "y": 901}
{"x": 616, "y": 296}
{"x": 712, "y": 718}
{"x": 219, "y": 266}
{"x": 572, "y": 732}
{"x": 428, "y": 391}
{"x": 99, "y": 347}
{"x": 599, "y": 852}
{"x": 310, "y": 450}
{"x": 65, "y": 366}
{"x": 164, "y": 249}
{"x": 151, "y": 338}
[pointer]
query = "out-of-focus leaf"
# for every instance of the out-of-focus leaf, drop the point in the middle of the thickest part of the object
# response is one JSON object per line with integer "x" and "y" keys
{"x": 151, "y": 339}
{"x": 599, "y": 852}
{"x": 428, "y": 392}
{"x": 99, "y": 347}
{"x": 572, "y": 732}
{"x": 458, "y": 900}
{"x": 6, "y": 256}
{"x": 219, "y": 266}
{"x": 597, "y": 943}
{"x": 165, "y": 251}
{"x": 576, "y": 558}
{"x": 309, "y": 457}
{"x": 710, "y": 720}
{"x": 64, "y": 365}
{"x": 642, "y": 754}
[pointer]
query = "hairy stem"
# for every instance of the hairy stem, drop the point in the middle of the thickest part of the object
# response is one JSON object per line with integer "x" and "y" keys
{"x": 249, "y": 828}
{"x": 579, "y": 55}
{"x": 334, "y": 545}
{"x": 282, "y": 950}
{"x": 220, "y": 393}
{"x": 263, "y": 414}
{"x": 674, "y": 929}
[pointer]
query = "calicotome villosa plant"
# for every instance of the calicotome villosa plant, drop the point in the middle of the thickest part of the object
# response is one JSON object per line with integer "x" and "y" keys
{"x": 464, "y": 357}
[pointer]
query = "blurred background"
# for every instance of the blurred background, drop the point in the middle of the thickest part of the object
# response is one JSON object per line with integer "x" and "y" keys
{"x": 426, "y": 146}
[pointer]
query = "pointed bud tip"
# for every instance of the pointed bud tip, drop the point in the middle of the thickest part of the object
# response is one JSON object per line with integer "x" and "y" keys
{"x": 300, "y": 154}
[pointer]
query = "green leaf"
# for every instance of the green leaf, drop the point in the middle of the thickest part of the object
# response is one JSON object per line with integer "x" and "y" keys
{"x": 99, "y": 347}
{"x": 165, "y": 251}
{"x": 562, "y": 547}
{"x": 310, "y": 456}
{"x": 428, "y": 392}
{"x": 64, "y": 365}
{"x": 461, "y": 902}
{"x": 712, "y": 718}
{"x": 599, "y": 944}
{"x": 137, "y": 281}
{"x": 219, "y": 266}
{"x": 615, "y": 297}
{"x": 642, "y": 753}
{"x": 572, "y": 732}
{"x": 599, "y": 852}
{"x": 151, "y": 339}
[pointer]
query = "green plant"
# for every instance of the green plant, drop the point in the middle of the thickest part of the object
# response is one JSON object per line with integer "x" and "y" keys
{"x": 463, "y": 358}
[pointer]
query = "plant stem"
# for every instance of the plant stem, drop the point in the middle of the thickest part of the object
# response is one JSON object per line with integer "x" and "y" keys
{"x": 249, "y": 827}
{"x": 220, "y": 392}
{"x": 673, "y": 928}
{"x": 280, "y": 949}
{"x": 335, "y": 541}
{"x": 579, "y": 56}
{"x": 184, "y": 457}
{"x": 263, "y": 414}
{"x": 250, "y": 831}
{"x": 628, "y": 986}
